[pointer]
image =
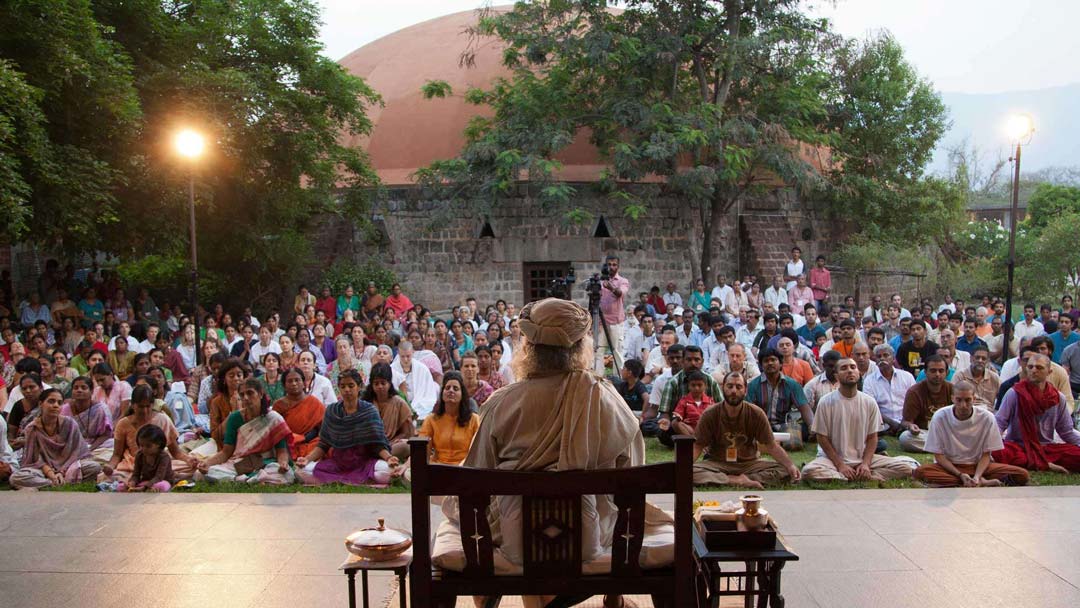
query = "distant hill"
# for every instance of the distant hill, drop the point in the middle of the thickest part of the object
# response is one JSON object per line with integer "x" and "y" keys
{"x": 980, "y": 118}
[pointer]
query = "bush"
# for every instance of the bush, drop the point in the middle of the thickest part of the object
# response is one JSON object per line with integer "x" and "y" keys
{"x": 972, "y": 279}
{"x": 344, "y": 273}
{"x": 168, "y": 279}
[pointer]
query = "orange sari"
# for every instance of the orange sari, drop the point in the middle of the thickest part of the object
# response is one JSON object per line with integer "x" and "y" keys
{"x": 302, "y": 417}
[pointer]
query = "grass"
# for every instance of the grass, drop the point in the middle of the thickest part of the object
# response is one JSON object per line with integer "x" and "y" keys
{"x": 654, "y": 452}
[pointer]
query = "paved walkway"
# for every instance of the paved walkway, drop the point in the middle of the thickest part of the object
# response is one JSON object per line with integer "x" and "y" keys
{"x": 1010, "y": 547}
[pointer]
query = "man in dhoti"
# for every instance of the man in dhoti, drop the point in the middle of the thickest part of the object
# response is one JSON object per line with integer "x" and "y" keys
{"x": 421, "y": 388}
{"x": 847, "y": 424}
{"x": 1030, "y": 413}
{"x": 961, "y": 438}
{"x": 558, "y": 416}
{"x": 731, "y": 435}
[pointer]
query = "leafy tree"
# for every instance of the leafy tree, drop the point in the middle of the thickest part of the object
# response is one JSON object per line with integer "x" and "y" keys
{"x": 1049, "y": 202}
{"x": 1048, "y": 261}
{"x": 118, "y": 77}
{"x": 722, "y": 100}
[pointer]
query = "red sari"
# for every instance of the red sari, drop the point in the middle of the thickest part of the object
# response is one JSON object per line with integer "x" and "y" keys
{"x": 303, "y": 417}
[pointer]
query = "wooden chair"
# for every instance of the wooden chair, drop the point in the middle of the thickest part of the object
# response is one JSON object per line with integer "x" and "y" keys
{"x": 551, "y": 532}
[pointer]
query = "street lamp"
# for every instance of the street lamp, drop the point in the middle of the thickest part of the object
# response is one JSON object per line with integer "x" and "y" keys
{"x": 190, "y": 144}
{"x": 1019, "y": 128}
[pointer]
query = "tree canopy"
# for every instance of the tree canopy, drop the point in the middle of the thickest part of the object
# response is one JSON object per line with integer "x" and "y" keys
{"x": 720, "y": 99}
{"x": 92, "y": 93}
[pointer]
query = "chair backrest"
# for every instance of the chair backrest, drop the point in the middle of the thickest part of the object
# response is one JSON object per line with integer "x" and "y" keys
{"x": 551, "y": 531}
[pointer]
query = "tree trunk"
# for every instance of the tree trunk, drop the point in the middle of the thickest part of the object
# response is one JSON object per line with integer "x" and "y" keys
{"x": 713, "y": 215}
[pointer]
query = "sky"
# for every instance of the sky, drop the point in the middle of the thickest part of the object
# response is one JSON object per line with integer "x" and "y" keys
{"x": 962, "y": 46}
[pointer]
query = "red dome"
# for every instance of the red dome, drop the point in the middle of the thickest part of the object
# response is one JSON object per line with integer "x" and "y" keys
{"x": 409, "y": 131}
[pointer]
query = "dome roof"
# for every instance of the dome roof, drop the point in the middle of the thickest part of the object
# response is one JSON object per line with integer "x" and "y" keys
{"x": 411, "y": 132}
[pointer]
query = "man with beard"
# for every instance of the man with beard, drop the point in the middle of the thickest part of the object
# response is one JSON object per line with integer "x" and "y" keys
{"x": 921, "y": 401}
{"x": 888, "y": 386}
{"x": 778, "y": 395}
{"x": 961, "y": 438}
{"x": 737, "y": 362}
{"x": 678, "y": 387}
{"x": 1031, "y": 412}
{"x": 912, "y": 355}
{"x": 846, "y": 425}
{"x": 984, "y": 380}
{"x": 732, "y": 435}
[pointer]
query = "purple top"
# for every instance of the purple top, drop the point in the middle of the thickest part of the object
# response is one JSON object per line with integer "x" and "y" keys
{"x": 1054, "y": 419}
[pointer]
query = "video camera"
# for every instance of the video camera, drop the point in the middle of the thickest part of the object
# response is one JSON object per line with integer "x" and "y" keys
{"x": 560, "y": 287}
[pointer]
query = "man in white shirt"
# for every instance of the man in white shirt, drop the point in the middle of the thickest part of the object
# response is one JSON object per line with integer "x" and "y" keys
{"x": 658, "y": 355}
{"x": 640, "y": 339}
{"x": 266, "y": 344}
{"x": 1029, "y": 327}
{"x": 147, "y": 345}
{"x": 125, "y": 333}
{"x": 746, "y": 334}
{"x": 776, "y": 294}
{"x": 688, "y": 333}
{"x": 847, "y": 424}
{"x": 961, "y": 438}
{"x": 422, "y": 390}
{"x": 714, "y": 348}
{"x": 896, "y": 299}
{"x": 737, "y": 361}
{"x": 672, "y": 298}
{"x": 722, "y": 290}
{"x": 672, "y": 366}
{"x": 888, "y": 386}
{"x": 960, "y": 360}
{"x": 874, "y": 311}
{"x": 794, "y": 267}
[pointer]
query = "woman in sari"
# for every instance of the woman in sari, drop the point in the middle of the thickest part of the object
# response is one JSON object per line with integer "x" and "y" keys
{"x": 395, "y": 413}
{"x": 288, "y": 352}
{"x": 433, "y": 344}
{"x": 302, "y": 412}
{"x": 451, "y": 426}
{"x": 488, "y": 366}
{"x": 505, "y": 372}
{"x": 271, "y": 378}
{"x": 55, "y": 451}
{"x": 125, "y": 445}
{"x": 255, "y": 444}
{"x": 470, "y": 373}
{"x": 352, "y": 443}
{"x": 91, "y": 417}
{"x": 227, "y": 400}
{"x": 24, "y": 410}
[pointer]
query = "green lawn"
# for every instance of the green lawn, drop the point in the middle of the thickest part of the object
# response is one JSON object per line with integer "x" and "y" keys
{"x": 654, "y": 452}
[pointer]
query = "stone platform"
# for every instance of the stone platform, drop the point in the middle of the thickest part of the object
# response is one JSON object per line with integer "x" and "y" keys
{"x": 1009, "y": 547}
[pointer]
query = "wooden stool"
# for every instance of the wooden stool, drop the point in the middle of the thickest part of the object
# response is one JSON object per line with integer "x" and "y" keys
{"x": 399, "y": 566}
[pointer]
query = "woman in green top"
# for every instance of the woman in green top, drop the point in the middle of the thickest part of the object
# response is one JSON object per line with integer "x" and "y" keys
{"x": 255, "y": 445}
{"x": 271, "y": 379}
{"x": 699, "y": 298}
{"x": 92, "y": 309}
{"x": 349, "y": 301}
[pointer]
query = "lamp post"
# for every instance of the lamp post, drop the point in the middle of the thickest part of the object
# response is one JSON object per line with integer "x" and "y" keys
{"x": 190, "y": 144}
{"x": 1018, "y": 128}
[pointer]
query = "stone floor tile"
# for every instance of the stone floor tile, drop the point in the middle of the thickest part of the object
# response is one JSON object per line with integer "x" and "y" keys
{"x": 188, "y": 591}
{"x": 1059, "y": 552}
{"x": 285, "y": 589}
{"x": 1013, "y": 515}
{"x": 231, "y": 556}
{"x": 947, "y": 550}
{"x": 1005, "y": 586}
{"x": 46, "y": 554}
{"x": 866, "y": 553}
{"x": 881, "y": 589}
{"x": 910, "y": 517}
{"x": 816, "y": 518}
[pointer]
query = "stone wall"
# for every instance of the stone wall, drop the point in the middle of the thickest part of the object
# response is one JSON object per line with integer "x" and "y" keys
{"x": 437, "y": 249}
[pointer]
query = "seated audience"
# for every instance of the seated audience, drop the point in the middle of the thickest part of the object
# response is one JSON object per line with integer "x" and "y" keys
{"x": 397, "y": 417}
{"x": 422, "y": 391}
{"x": 847, "y": 425}
{"x": 114, "y": 393}
{"x": 888, "y": 385}
{"x": 961, "y": 438}
{"x": 153, "y": 470}
{"x": 352, "y": 448}
{"x": 478, "y": 390}
{"x": 981, "y": 376}
{"x": 693, "y": 358}
{"x": 93, "y": 419}
{"x": 451, "y": 426}
{"x": 732, "y": 436}
{"x": 779, "y": 396}
{"x": 125, "y": 438}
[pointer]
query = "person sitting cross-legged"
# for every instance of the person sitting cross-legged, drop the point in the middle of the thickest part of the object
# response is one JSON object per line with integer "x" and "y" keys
{"x": 847, "y": 424}
{"x": 778, "y": 395}
{"x": 731, "y": 435}
{"x": 687, "y": 412}
{"x": 1030, "y": 413}
{"x": 921, "y": 401}
{"x": 961, "y": 438}
{"x": 692, "y": 361}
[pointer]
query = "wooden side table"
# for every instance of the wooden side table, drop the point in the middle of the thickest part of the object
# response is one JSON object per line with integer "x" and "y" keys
{"x": 399, "y": 566}
{"x": 760, "y": 578}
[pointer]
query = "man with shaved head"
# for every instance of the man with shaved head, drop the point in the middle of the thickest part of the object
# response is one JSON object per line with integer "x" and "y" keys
{"x": 1031, "y": 412}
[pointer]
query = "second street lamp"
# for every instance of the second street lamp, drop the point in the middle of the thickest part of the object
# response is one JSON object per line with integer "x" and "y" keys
{"x": 1019, "y": 129}
{"x": 190, "y": 145}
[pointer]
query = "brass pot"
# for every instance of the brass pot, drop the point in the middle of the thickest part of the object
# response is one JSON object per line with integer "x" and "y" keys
{"x": 378, "y": 544}
{"x": 751, "y": 516}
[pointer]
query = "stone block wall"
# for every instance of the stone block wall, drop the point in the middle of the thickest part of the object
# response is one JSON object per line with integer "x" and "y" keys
{"x": 436, "y": 249}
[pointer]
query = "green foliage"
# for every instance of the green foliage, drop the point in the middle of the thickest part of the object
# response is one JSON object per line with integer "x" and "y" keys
{"x": 344, "y": 273}
{"x": 436, "y": 88}
{"x": 970, "y": 279}
{"x": 169, "y": 277}
{"x": 720, "y": 99}
{"x": 863, "y": 253}
{"x": 1048, "y": 202}
{"x": 1048, "y": 261}
{"x": 982, "y": 239}
{"x": 114, "y": 79}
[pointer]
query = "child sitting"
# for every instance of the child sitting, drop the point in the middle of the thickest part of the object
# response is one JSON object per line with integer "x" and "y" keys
{"x": 153, "y": 465}
{"x": 687, "y": 412}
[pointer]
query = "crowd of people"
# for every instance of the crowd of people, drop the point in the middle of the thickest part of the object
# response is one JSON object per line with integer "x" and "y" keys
{"x": 106, "y": 388}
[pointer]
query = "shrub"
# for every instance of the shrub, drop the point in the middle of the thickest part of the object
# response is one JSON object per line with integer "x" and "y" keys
{"x": 345, "y": 272}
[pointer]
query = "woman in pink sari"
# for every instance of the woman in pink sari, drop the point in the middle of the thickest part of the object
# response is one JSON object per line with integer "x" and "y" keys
{"x": 256, "y": 442}
{"x": 55, "y": 451}
{"x": 92, "y": 417}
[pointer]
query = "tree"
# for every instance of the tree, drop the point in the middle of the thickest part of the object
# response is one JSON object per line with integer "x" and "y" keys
{"x": 1048, "y": 261}
{"x": 1049, "y": 202}
{"x": 722, "y": 100}
{"x": 118, "y": 77}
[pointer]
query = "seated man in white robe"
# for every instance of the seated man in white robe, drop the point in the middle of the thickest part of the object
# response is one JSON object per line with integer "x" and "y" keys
{"x": 420, "y": 387}
{"x": 555, "y": 420}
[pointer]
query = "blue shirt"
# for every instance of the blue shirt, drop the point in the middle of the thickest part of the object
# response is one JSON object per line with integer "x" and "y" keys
{"x": 922, "y": 375}
{"x": 809, "y": 335}
{"x": 969, "y": 347}
{"x": 788, "y": 396}
{"x": 1060, "y": 342}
